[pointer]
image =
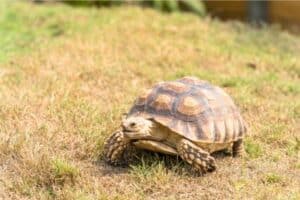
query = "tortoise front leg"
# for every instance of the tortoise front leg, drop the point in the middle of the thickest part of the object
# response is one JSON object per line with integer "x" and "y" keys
{"x": 114, "y": 147}
{"x": 197, "y": 157}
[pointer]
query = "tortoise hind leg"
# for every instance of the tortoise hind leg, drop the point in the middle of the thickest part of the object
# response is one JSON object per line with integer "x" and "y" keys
{"x": 114, "y": 147}
{"x": 238, "y": 148}
{"x": 197, "y": 157}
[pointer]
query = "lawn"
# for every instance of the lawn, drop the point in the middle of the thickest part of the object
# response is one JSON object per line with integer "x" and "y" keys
{"x": 67, "y": 74}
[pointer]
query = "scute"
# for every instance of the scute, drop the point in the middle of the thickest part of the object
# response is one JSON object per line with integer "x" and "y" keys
{"x": 141, "y": 100}
{"x": 192, "y": 80}
{"x": 176, "y": 86}
{"x": 230, "y": 129}
{"x": 190, "y": 106}
{"x": 163, "y": 102}
{"x": 193, "y": 109}
{"x": 220, "y": 128}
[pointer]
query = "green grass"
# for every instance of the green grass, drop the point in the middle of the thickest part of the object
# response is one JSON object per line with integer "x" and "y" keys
{"x": 253, "y": 149}
{"x": 273, "y": 178}
{"x": 67, "y": 74}
{"x": 64, "y": 172}
{"x": 22, "y": 30}
{"x": 19, "y": 30}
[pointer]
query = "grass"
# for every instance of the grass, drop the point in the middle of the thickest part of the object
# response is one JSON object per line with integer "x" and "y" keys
{"x": 253, "y": 149}
{"x": 67, "y": 75}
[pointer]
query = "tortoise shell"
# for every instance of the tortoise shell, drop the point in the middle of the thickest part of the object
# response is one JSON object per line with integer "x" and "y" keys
{"x": 192, "y": 108}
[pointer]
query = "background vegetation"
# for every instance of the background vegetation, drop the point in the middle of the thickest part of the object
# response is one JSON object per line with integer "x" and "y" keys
{"x": 67, "y": 74}
{"x": 196, "y": 7}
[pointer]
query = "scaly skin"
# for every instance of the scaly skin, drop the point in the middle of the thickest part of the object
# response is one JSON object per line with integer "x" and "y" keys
{"x": 114, "y": 147}
{"x": 197, "y": 157}
{"x": 238, "y": 148}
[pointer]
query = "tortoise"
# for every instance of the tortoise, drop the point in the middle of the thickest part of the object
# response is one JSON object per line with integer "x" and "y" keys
{"x": 186, "y": 117}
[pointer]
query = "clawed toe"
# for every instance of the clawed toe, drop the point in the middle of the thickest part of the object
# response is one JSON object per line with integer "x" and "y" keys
{"x": 197, "y": 157}
{"x": 114, "y": 148}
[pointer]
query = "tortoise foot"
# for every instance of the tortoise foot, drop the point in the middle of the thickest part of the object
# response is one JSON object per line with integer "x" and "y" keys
{"x": 114, "y": 148}
{"x": 197, "y": 157}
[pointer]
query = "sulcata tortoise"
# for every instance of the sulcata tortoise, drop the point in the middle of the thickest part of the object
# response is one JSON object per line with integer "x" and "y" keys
{"x": 186, "y": 117}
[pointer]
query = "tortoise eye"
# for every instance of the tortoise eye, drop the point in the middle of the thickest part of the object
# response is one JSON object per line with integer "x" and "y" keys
{"x": 132, "y": 124}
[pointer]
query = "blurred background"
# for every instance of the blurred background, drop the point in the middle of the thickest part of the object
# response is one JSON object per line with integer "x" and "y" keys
{"x": 283, "y": 13}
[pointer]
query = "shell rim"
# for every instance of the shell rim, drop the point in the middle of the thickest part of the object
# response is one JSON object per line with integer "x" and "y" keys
{"x": 209, "y": 141}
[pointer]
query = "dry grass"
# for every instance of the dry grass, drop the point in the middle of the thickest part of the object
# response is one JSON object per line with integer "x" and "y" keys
{"x": 63, "y": 97}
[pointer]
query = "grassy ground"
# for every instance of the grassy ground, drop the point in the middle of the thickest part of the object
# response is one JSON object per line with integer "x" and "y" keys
{"x": 67, "y": 74}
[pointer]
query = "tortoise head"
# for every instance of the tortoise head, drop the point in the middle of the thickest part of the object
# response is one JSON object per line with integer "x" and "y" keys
{"x": 137, "y": 127}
